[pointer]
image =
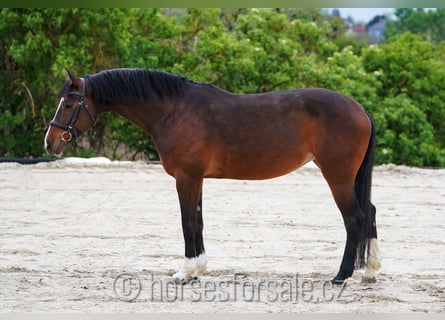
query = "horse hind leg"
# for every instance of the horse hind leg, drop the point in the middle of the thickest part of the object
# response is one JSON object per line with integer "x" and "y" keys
{"x": 343, "y": 187}
{"x": 353, "y": 219}
{"x": 341, "y": 181}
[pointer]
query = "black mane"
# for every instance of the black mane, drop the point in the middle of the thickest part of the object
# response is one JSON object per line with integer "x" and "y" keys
{"x": 118, "y": 85}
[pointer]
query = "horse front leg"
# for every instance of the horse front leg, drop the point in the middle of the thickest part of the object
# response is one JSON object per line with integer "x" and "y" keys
{"x": 189, "y": 191}
{"x": 199, "y": 241}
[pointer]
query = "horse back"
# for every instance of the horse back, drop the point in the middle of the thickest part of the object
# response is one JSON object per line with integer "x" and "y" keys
{"x": 260, "y": 136}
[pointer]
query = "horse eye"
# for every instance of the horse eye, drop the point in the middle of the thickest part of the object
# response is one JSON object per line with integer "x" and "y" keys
{"x": 69, "y": 102}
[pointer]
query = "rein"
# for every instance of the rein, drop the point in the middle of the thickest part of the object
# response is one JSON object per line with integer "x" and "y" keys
{"x": 70, "y": 128}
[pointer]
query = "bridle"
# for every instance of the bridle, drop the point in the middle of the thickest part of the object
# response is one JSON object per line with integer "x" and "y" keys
{"x": 70, "y": 128}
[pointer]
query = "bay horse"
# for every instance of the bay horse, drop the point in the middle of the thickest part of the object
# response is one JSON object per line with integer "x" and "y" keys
{"x": 202, "y": 131}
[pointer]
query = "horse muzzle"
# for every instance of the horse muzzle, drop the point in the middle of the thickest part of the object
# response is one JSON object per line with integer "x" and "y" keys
{"x": 54, "y": 151}
{"x": 55, "y": 146}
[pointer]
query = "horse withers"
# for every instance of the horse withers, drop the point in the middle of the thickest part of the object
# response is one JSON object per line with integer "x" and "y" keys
{"x": 201, "y": 131}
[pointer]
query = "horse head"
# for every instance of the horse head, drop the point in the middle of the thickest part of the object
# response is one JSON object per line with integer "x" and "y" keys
{"x": 75, "y": 114}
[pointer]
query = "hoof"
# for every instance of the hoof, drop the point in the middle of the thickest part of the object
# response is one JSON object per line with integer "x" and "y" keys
{"x": 195, "y": 278}
{"x": 179, "y": 278}
{"x": 180, "y": 281}
{"x": 337, "y": 281}
{"x": 341, "y": 276}
{"x": 369, "y": 279}
{"x": 191, "y": 270}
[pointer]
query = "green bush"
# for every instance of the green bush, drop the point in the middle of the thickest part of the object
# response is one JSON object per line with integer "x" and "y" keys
{"x": 411, "y": 66}
{"x": 401, "y": 83}
{"x": 404, "y": 135}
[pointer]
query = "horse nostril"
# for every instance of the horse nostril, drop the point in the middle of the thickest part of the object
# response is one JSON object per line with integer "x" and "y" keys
{"x": 47, "y": 146}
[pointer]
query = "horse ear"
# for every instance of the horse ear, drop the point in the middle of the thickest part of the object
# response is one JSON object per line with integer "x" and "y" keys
{"x": 72, "y": 78}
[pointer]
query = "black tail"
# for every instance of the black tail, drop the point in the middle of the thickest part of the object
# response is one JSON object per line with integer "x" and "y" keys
{"x": 363, "y": 193}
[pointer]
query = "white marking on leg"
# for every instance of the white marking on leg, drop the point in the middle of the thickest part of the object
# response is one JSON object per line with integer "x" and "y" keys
{"x": 185, "y": 273}
{"x": 191, "y": 269}
{"x": 374, "y": 261}
{"x": 201, "y": 264}
{"x": 374, "y": 257}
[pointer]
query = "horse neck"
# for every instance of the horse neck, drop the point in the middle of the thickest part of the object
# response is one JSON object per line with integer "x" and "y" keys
{"x": 147, "y": 115}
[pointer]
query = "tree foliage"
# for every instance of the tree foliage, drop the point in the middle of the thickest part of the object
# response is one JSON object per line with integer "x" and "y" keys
{"x": 400, "y": 82}
{"x": 412, "y": 67}
{"x": 428, "y": 24}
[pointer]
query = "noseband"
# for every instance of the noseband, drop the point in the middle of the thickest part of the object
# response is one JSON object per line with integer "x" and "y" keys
{"x": 69, "y": 128}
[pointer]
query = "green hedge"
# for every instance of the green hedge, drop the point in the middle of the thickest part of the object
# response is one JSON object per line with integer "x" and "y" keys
{"x": 400, "y": 82}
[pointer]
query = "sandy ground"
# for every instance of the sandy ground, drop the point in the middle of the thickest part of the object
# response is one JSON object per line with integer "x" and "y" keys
{"x": 69, "y": 232}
